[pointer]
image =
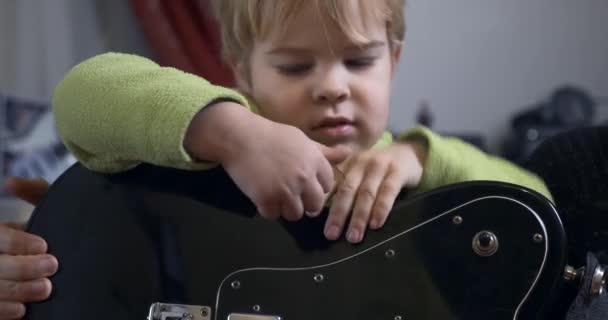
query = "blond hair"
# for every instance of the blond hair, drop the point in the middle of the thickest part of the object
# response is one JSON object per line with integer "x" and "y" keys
{"x": 243, "y": 21}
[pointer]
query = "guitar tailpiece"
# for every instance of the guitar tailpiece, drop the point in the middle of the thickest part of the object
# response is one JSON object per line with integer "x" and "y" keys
{"x": 166, "y": 311}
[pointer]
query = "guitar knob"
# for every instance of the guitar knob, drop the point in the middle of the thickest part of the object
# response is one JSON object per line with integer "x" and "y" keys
{"x": 485, "y": 243}
{"x": 598, "y": 281}
{"x": 485, "y": 240}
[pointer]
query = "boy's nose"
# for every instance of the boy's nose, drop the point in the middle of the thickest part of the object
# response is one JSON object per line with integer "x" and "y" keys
{"x": 331, "y": 89}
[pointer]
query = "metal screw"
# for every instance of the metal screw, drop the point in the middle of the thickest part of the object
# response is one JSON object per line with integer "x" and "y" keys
{"x": 204, "y": 312}
{"x": 319, "y": 278}
{"x": 457, "y": 220}
{"x": 389, "y": 253}
{"x": 257, "y": 308}
{"x": 537, "y": 237}
{"x": 235, "y": 284}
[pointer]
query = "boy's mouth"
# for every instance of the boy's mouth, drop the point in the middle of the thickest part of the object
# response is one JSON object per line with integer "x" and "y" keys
{"x": 335, "y": 128}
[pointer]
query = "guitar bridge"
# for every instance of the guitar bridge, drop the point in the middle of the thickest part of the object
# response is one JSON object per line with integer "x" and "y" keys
{"x": 166, "y": 311}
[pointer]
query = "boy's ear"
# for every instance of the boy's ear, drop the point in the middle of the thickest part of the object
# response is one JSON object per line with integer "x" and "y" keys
{"x": 395, "y": 59}
{"x": 396, "y": 55}
{"x": 241, "y": 76}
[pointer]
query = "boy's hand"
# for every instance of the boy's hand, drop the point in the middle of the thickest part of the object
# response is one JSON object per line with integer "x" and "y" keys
{"x": 281, "y": 170}
{"x": 24, "y": 264}
{"x": 372, "y": 180}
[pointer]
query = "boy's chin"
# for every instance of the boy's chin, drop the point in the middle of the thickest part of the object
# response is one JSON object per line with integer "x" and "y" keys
{"x": 353, "y": 146}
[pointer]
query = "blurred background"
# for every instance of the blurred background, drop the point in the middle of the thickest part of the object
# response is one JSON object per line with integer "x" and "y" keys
{"x": 502, "y": 74}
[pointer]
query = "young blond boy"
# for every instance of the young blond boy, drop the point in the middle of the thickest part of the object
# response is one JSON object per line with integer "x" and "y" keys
{"x": 314, "y": 81}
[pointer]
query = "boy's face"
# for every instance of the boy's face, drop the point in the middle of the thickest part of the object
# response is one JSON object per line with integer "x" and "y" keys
{"x": 315, "y": 78}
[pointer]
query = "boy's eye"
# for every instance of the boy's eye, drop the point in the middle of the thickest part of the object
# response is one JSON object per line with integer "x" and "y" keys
{"x": 294, "y": 69}
{"x": 360, "y": 63}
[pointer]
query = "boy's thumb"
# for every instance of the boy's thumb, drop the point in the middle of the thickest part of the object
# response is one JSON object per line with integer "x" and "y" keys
{"x": 335, "y": 155}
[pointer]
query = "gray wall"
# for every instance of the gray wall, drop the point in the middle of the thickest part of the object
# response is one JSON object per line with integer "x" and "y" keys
{"x": 41, "y": 40}
{"x": 7, "y": 41}
{"x": 478, "y": 61}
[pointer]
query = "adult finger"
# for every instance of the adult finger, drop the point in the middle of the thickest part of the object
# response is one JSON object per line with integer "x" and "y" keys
{"x": 30, "y": 190}
{"x": 27, "y": 291}
{"x": 11, "y": 310}
{"x": 17, "y": 242}
{"x": 27, "y": 267}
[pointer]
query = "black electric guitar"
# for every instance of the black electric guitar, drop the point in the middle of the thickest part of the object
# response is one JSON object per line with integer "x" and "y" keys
{"x": 170, "y": 244}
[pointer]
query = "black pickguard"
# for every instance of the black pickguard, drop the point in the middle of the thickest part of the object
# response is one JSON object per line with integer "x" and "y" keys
{"x": 154, "y": 234}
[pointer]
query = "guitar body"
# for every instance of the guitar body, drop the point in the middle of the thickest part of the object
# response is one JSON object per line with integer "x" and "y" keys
{"x": 482, "y": 250}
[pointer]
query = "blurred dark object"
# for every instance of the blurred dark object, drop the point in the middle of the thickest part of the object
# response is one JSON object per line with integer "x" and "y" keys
{"x": 424, "y": 116}
{"x": 29, "y": 144}
{"x": 567, "y": 108}
{"x": 574, "y": 165}
{"x": 18, "y": 116}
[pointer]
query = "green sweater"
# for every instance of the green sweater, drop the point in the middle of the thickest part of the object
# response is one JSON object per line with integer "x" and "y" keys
{"x": 115, "y": 111}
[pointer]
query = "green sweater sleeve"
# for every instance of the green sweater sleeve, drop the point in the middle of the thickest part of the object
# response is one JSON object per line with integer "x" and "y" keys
{"x": 114, "y": 111}
{"x": 451, "y": 160}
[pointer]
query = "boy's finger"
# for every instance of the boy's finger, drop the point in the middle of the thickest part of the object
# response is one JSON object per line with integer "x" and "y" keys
{"x": 292, "y": 209}
{"x": 17, "y": 242}
{"x": 269, "y": 210}
{"x": 325, "y": 176}
{"x": 342, "y": 201}
{"x": 12, "y": 310}
{"x": 365, "y": 198}
{"x": 30, "y": 190}
{"x": 387, "y": 193}
{"x": 313, "y": 198}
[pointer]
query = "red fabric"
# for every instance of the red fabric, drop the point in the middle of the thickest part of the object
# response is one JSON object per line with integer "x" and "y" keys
{"x": 183, "y": 35}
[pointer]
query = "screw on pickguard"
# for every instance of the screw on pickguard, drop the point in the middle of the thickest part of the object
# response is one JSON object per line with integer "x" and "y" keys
{"x": 537, "y": 238}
